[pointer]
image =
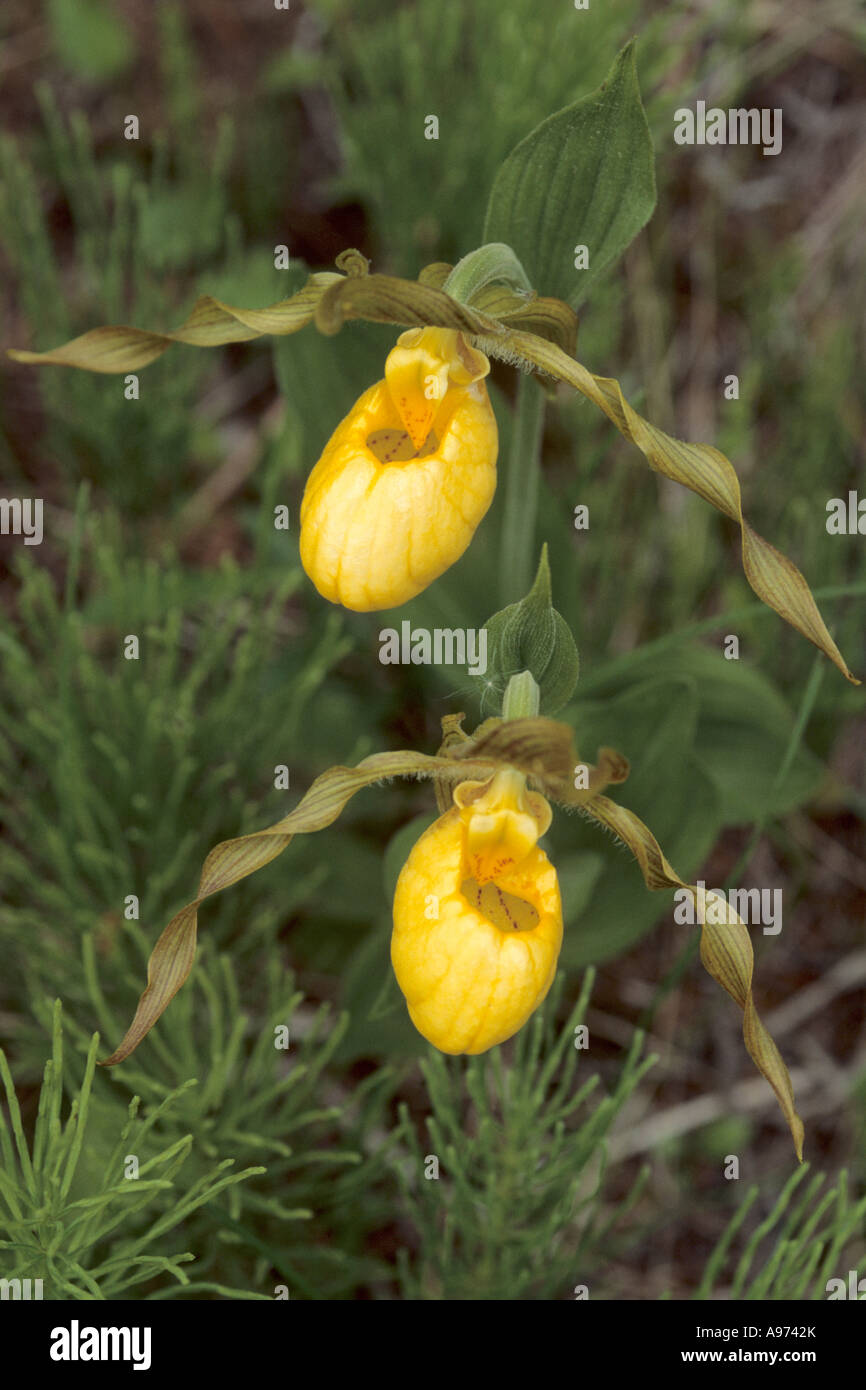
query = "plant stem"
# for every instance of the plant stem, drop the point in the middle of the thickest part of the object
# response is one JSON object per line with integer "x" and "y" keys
{"x": 517, "y": 542}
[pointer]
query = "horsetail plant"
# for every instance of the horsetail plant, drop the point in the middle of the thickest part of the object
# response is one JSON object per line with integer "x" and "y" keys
{"x": 395, "y": 499}
{"x": 530, "y": 1135}
{"x": 59, "y": 1231}
{"x": 815, "y": 1236}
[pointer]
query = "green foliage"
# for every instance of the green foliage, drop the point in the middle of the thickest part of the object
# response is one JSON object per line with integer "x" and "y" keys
{"x": 706, "y": 739}
{"x": 61, "y": 1231}
{"x": 102, "y": 757}
{"x": 90, "y": 37}
{"x": 389, "y": 71}
{"x": 129, "y": 227}
{"x": 584, "y": 176}
{"x": 815, "y": 1238}
{"x": 517, "y": 1207}
{"x": 116, "y": 777}
{"x": 84, "y": 1205}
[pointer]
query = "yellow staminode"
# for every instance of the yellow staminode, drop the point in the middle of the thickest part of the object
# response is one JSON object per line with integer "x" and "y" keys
{"x": 478, "y": 918}
{"x": 503, "y": 822}
{"x": 405, "y": 478}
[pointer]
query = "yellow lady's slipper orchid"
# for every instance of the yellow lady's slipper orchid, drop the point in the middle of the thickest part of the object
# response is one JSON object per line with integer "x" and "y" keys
{"x": 478, "y": 917}
{"x": 405, "y": 479}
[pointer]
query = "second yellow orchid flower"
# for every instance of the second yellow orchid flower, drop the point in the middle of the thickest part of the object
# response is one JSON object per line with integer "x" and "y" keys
{"x": 405, "y": 478}
{"x": 478, "y": 917}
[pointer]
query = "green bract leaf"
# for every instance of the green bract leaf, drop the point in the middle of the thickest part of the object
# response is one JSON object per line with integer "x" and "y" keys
{"x": 532, "y": 636}
{"x": 584, "y": 177}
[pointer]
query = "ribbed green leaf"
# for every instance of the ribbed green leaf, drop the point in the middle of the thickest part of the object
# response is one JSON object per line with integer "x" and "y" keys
{"x": 584, "y": 177}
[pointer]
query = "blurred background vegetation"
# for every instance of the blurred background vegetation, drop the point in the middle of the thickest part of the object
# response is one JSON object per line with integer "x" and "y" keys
{"x": 305, "y": 1167}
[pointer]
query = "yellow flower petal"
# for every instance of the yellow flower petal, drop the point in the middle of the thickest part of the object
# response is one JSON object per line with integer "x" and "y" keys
{"x": 473, "y": 960}
{"x": 383, "y": 516}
